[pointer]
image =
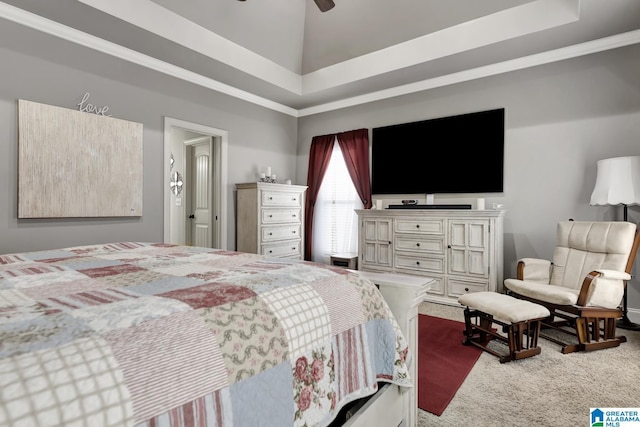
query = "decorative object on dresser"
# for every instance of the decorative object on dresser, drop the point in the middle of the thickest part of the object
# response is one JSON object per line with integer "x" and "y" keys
{"x": 267, "y": 176}
{"x": 461, "y": 250}
{"x": 270, "y": 219}
{"x": 618, "y": 183}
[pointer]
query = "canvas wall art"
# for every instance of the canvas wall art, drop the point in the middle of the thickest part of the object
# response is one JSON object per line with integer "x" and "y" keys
{"x": 76, "y": 164}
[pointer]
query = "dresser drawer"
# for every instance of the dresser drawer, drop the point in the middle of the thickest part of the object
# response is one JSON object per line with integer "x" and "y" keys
{"x": 421, "y": 245}
{"x": 279, "y": 216}
{"x": 277, "y": 198}
{"x": 270, "y": 234}
{"x": 420, "y": 226}
{"x": 286, "y": 249}
{"x": 458, "y": 287}
{"x": 431, "y": 264}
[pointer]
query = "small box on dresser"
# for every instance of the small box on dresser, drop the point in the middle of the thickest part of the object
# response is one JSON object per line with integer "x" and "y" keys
{"x": 270, "y": 219}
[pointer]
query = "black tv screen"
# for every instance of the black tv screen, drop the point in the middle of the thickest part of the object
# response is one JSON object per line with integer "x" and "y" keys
{"x": 456, "y": 154}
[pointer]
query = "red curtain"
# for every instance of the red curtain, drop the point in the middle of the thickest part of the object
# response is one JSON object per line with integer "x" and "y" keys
{"x": 319, "y": 156}
{"x": 355, "y": 149}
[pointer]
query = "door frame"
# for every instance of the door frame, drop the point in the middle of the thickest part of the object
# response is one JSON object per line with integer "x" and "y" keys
{"x": 219, "y": 177}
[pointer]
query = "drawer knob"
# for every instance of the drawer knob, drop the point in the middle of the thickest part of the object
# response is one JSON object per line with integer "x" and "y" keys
{"x": 417, "y": 262}
{"x": 293, "y": 248}
{"x": 270, "y": 198}
{"x": 294, "y": 215}
{"x": 270, "y": 234}
{"x": 270, "y": 251}
{"x": 417, "y": 225}
{"x": 294, "y": 199}
{"x": 418, "y": 244}
{"x": 466, "y": 289}
{"x": 294, "y": 231}
{"x": 270, "y": 216}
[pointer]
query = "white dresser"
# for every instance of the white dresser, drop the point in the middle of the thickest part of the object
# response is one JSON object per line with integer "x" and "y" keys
{"x": 270, "y": 219}
{"x": 462, "y": 250}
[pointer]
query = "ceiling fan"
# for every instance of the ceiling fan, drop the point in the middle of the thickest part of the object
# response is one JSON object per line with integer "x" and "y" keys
{"x": 323, "y": 5}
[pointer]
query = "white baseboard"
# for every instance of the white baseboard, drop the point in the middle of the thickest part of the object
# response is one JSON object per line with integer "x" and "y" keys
{"x": 634, "y": 314}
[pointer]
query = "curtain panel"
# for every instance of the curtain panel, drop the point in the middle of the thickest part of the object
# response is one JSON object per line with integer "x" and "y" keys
{"x": 319, "y": 157}
{"x": 355, "y": 149}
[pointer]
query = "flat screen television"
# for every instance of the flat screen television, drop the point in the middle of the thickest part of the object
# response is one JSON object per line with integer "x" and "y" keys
{"x": 456, "y": 154}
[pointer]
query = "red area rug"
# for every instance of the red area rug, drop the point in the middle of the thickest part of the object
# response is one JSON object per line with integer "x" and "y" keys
{"x": 443, "y": 362}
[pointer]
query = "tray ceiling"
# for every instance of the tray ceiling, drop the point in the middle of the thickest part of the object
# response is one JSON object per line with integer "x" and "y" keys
{"x": 289, "y": 56}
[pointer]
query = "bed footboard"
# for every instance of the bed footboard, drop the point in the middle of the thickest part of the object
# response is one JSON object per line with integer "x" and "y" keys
{"x": 403, "y": 294}
{"x": 385, "y": 408}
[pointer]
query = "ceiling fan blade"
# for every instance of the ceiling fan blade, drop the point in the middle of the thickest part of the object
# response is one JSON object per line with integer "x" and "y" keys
{"x": 324, "y": 5}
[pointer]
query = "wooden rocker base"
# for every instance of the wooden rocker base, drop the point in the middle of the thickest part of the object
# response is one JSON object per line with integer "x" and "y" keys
{"x": 521, "y": 339}
{"x": 591, "y": 335}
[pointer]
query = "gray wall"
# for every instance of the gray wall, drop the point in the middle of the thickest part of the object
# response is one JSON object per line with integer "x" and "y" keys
{"x": 54, "y": 72}
{"x": 560, "y": 119}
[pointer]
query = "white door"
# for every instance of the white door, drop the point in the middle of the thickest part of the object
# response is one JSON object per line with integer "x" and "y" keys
{"x": 200, "y": 199}
{"x": 179, "y": 135}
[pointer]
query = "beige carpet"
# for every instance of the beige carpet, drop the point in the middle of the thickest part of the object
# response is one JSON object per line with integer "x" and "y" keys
{"x": 550, "y": 389}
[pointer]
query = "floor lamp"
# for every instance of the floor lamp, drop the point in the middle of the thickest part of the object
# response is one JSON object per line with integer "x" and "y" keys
{"x": 618, "y": 183}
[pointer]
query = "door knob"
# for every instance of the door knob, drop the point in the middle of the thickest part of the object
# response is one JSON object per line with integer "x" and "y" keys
{"x": 192, "y": 216}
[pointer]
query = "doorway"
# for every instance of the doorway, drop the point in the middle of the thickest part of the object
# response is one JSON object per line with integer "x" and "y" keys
{"x": 195, "y": 197}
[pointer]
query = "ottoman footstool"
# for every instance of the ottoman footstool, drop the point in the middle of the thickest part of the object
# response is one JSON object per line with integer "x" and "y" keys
{"x": 520, "y": 320}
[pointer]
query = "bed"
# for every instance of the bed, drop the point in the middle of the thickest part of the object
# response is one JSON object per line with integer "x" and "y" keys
{"x": 146, "y": 334}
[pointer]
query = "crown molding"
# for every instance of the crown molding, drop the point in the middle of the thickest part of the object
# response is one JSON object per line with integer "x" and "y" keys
{"x": 55, "y": 29}
{"x": 504, "y": 25}
{"x": 169, "y": 25}
{"x": 581, "y": 49}
{"x": 513, "y": 22}
{"x": 81, "y": 38}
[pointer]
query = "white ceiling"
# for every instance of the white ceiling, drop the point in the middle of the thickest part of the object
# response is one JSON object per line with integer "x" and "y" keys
{"x": 289, "y": 56}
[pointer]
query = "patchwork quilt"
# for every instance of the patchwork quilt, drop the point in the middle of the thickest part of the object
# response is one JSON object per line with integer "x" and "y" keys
{"x": 142, "y": 334}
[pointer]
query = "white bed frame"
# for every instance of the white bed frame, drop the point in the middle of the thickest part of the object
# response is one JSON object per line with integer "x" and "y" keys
{"x": 393, "y": 405}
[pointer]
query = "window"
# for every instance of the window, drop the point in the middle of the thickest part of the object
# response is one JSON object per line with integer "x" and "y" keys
{"x": 335, "y": 223}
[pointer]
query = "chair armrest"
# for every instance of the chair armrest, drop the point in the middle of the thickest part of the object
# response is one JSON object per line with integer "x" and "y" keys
{"x": 603, "y": 288}
{"x": 534, "y": 270}
{"x": 614, "y": 274}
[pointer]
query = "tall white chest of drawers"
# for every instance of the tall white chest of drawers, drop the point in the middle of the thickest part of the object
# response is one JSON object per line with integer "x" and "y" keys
{"x": 462, "y": 250}
{"x": 270, "y": 219}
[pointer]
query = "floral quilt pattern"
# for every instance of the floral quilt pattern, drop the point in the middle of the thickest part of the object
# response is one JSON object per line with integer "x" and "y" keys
{"x": 144, "y": 334}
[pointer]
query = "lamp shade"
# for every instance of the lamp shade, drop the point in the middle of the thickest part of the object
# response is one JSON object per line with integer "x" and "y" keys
{"x": 618, "y": 182}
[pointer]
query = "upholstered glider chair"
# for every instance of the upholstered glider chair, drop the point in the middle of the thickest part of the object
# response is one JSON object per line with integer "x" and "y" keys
{"x": 584, "y": 285}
